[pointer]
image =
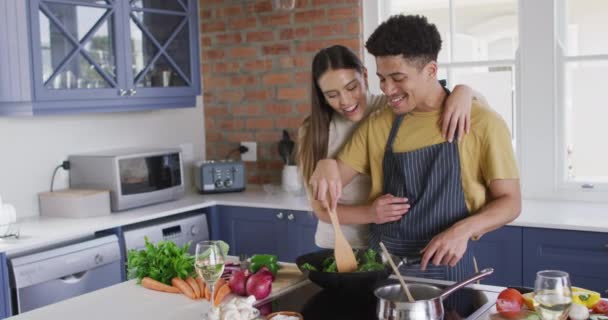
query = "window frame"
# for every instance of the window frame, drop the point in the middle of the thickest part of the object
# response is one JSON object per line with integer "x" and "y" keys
{"x": 539, "y": 115}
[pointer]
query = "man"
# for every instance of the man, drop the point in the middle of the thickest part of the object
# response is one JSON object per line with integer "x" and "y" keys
{"x": 456, "y": 191}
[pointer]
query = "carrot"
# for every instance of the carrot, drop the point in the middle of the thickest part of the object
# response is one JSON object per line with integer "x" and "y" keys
{"x": 152, "y": 284}
{"x": 184, "y": 287}
{"x": 221, "y": 293}
{"x": 194, "y": 286}
{"x": 221, "y": 282}
{"x": 202, "y": 286}
{"x": 207, "y": 293}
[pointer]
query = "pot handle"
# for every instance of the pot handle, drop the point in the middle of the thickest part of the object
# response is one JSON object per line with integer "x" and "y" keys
{"x": 479, "y": 275}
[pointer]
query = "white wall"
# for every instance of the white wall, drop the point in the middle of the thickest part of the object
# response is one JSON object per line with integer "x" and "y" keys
{"x": 31, "y": 147}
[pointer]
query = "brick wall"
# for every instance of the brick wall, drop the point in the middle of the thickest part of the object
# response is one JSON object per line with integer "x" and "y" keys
{"x": 256, "y": 70}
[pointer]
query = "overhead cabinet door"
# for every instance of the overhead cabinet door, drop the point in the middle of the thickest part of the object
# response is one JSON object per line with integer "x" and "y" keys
{"x": 75, "y": 49}
{"x": 160, "y": 40}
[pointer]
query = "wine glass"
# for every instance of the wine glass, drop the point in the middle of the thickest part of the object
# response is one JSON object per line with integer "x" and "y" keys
{"x": 209, "y": 264}
{"x": 552, "y": 294}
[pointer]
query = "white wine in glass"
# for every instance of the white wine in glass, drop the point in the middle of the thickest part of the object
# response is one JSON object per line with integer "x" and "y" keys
{"x": 209, "y": 264}
{"x": 552, "y": 294}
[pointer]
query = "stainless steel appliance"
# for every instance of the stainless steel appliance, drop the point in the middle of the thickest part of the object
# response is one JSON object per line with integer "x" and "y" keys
{"x": 57, "y": 274}
{"x": 179, "y": 230}
{"x": 220, "y": 176}
{"x": 135, "y": 177}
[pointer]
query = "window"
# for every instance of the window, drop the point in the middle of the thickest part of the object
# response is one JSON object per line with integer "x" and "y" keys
{"x": 540, "y": 64}
{"x": 480, "y": 39}
{"x": 582, "y": 62}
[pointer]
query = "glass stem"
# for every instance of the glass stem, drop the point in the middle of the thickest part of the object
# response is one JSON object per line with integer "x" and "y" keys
{"x": 212, "y": 288}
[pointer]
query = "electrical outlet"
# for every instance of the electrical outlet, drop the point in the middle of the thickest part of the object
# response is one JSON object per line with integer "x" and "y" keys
{"x": 252, "y": 153}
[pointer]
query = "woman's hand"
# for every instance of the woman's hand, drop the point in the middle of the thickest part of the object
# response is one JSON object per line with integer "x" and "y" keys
{"x": 388, "y": 208}
{"x": 446, "y": 248}
{"x": 457, "y": 113}
{"x": 326, "y": 178}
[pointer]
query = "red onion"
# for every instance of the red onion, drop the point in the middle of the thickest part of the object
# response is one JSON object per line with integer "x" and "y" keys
{"x": 237, "y": 282}
{"x": 266, "y": 271}
{"x": 259, "y": 285}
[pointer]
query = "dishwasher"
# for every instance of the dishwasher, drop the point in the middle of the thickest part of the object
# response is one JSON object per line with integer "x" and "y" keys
{"x": 192, "y": 228}
{"x": 60, "y": 273}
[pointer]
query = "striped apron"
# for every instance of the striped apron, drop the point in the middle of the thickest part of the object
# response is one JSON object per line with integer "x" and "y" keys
{"x": 430, "y": 178}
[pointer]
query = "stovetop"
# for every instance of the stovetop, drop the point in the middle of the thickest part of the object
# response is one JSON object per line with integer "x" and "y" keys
{"x": 314, "y": 303}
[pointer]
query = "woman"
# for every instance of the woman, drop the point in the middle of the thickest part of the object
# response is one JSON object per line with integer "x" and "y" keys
{"x": 339, "y": 100}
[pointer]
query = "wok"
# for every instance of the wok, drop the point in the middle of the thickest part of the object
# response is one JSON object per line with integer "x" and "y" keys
{"x": 351, "y": 282}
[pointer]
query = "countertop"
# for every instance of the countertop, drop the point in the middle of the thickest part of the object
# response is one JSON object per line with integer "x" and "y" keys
{"x": 125, "y": 300}
{"x": 128, "y": 300}
{"x": 39, "y": 232}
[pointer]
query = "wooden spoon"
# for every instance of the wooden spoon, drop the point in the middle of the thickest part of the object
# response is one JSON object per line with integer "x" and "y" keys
{"x": 409, "y": 296}
{"x": 345, "y": 258}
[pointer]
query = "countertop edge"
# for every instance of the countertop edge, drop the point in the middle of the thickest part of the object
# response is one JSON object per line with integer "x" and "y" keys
{"x": 39, "y": 232}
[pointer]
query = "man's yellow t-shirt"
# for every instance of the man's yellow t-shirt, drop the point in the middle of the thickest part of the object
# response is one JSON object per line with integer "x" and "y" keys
{"x": 486, "y": 153}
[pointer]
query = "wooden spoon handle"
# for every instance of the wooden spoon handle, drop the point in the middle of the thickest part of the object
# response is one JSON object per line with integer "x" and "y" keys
{"x": 345, "y": 258}
{"x": 410, "y": 298}
{"x": 333, "y": 216}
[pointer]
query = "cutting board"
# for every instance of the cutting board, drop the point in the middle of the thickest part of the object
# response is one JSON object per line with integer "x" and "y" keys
{"x": 288, "y": 276}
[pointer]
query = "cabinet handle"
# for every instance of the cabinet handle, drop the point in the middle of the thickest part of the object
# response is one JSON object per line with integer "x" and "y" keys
{"x": 280, "y": 215}
{"x": 122, "y": 92}
{"x": 132, "y": 92}
{"x": 290, "y": 217}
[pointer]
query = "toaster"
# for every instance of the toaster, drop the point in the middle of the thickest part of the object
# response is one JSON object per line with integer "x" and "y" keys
{"x": 215, "y": 176}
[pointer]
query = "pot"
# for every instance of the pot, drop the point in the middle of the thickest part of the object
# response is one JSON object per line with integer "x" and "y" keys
{"x": 393, "y": 305}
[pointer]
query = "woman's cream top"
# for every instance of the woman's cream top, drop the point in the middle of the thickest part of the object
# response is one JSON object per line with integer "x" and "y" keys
{"x": 354, "y": 193}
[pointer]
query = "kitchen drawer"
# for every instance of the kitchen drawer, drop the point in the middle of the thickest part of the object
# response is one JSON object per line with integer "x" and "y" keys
{"x": 584, "y": 255}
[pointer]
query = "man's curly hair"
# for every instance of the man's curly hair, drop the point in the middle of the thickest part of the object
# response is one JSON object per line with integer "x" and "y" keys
{"x": 411, "y": 36}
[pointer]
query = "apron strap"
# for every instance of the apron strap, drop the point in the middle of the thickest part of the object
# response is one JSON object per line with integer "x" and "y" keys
{"x": 393, "y": 134}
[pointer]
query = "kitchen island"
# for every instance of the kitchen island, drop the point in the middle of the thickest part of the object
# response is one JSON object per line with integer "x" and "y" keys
{"x": 128, "y": 300}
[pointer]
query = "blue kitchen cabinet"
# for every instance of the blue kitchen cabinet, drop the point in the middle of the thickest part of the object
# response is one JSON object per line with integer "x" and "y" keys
{"x": 584, "y": 255}
{"x": 301, "y": 229}
{"x": 97, "y": 56}
{"x": 502, "y": 250}
{"x": 253, "y": 230}
{"x": 5, "y": 302}
{"x": 286, "y": 233}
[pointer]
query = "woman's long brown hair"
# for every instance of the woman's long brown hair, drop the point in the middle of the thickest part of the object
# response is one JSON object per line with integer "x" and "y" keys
{"x": 313, "y": 144}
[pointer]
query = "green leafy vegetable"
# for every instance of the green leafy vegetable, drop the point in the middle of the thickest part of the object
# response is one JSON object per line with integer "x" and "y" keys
{"x": 161, "y": 262}
{"x": 223, "y": 246}
{"x": 309, "y": 266}
{"x": 368, "y": 262}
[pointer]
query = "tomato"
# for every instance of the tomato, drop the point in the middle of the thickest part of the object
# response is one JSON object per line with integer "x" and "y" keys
{"x": 509, "y": 303}
{"x": 601, "y": 307}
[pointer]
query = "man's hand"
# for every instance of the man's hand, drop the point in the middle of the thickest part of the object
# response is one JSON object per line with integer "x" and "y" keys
{"x": 446, "y": 248}
{"x": 388, "y": 208}
{"x": 326, "y": 178}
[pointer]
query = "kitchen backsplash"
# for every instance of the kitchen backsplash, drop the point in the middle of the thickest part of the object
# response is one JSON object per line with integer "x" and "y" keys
{"x": 33, "y": 146}
{"x": 256, "y": 70}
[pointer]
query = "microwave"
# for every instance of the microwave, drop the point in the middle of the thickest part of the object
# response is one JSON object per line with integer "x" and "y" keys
{"x": 134, "y": 177}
